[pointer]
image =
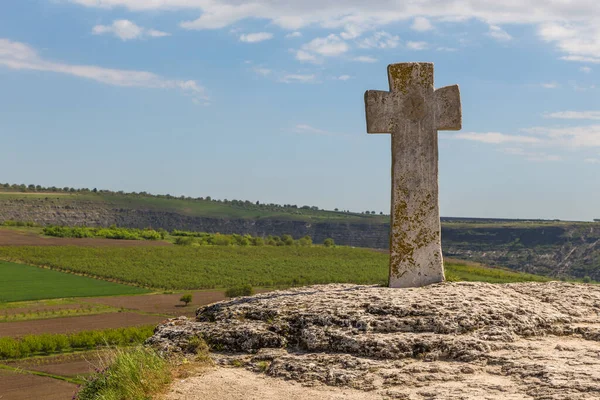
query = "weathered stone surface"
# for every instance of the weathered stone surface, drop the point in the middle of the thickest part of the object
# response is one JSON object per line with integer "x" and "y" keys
{"x": 445, "y": 341}
{"x": 412, "y": 111}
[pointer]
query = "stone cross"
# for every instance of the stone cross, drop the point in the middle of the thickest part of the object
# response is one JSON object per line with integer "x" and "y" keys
{"x": 413, "y": 111}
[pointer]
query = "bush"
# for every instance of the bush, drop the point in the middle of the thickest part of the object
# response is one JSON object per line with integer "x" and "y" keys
{"x": 304, "y": 241}
{"x": 245, "y": 290}
{"x": 184, "y": 240}
{"x": 186, "y": 298}
{"x": 587, "y": 279}
{"x": 287, "y": 240}
{"x": 328, "y": 242}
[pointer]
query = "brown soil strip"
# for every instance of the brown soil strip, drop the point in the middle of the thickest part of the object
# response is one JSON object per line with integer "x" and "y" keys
{"x": 14, "y": 386}
{"x": 77, "y": 324}
{"x": 69, "y": 365}
{"x": 10, "y": 237}
{"x": 160, "y": 303}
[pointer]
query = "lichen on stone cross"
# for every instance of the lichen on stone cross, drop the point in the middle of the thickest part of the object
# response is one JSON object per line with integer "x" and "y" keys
{"x": 413, "y": 111}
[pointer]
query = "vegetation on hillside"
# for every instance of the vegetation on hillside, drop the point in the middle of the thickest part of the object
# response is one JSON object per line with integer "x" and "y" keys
{"x": 195, "y": 205}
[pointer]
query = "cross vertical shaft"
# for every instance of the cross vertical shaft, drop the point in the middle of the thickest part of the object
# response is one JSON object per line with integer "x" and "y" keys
{"x": 412, "y": 111}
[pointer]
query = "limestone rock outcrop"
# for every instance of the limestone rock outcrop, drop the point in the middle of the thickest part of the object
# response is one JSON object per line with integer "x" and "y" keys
{"x": 446, "y": 341}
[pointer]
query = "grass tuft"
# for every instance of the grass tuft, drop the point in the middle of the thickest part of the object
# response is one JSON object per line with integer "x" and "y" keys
{"x": 136, "y": 373}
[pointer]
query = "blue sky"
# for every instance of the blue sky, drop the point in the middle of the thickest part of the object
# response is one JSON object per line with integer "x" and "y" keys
{"x": 263, "y": 100}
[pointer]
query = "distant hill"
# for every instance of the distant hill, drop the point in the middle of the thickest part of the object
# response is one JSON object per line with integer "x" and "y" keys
{"x": 554, "y": 248}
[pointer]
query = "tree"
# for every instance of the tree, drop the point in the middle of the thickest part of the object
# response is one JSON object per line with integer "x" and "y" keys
{"x": 186, "y": 298}
{"x": 328, "y": 242}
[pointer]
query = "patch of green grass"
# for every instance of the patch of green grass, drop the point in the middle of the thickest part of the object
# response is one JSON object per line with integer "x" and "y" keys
{"x": 477, "y": 273}
{"x": 25, "y": 282}
{"x": 89, "y": 309}
{"x": 209, "y": 267}
{"x": 133, "y": 374}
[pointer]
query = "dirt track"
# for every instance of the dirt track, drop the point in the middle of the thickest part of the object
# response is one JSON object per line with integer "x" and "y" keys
{"x": 77, "y": 324}
{"x": 13, "y": 237}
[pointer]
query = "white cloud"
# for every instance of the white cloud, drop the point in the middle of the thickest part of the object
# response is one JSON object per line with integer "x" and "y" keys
{"x": 573, "y": 26}
{"x": 328, "y": 46}
{"x": 255, "y": 37}
{"x": 592, "y": 160}
{"x": 494, "y": 137}
{"x": 417, "y": 45}
{"x": 298, "y": 78}
{"x": 331, "y": 45}
{"x": 499, "y": 34}
{"x": 365, "y": 59}
{"x": 379, "y": 40}
{"x": 304, "y": 128}
{"x": 302, "y": 55}
{"x": 20, "y": 56}
{"x": 579, "y": 41}
{"x": 587, "y": 70}
{"x": 573, "y": 137}
{"x": 448, "y": 49}
{"x": 574, "y": 115}
{"x": 421, "y": 24}
{"x": 262, "y": 71}
{"x": 531, "y": 156}
{"x": 127, "y": 30}
{"x": 294, "y": 34}
{"x": 549, "y": 85}
{"x": 343, "y": 77}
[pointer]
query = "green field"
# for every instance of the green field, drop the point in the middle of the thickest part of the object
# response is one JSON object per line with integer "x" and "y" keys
{"x": 209, "y": 267}
{"x": 23, "y": 282}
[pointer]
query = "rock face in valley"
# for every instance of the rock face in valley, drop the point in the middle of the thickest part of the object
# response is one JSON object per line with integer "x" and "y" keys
{"x": 444, "y": 341}
{"x": 548, "y": 248}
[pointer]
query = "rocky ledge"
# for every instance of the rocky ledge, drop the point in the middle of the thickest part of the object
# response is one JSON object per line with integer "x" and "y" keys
{"x": 444, "y": 341}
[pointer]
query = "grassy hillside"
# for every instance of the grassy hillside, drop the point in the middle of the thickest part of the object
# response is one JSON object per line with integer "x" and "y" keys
{"x": 200, "y": 207}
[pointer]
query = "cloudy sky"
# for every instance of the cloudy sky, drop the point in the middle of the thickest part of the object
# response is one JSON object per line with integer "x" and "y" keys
{"x": 263, "y": 100}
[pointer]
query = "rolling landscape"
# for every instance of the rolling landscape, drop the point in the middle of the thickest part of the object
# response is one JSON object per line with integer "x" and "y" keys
{"x": 82, "y": 273}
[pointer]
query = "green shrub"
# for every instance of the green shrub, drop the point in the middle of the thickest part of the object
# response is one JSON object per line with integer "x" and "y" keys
{"x": 328, "y": 242}
{"x": 184, "y": 240}
{"x": 186, "y": 298}
{"x": 587, "y": 279}
{"x": 287, "y": 240}
{"x": 304, "y": 241}
{"x": 238, "y": 291}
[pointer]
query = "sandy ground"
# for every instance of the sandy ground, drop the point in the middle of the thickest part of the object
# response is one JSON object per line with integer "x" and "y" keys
{"x": 240, "y": 384}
